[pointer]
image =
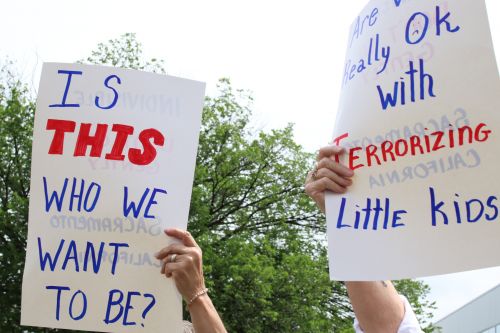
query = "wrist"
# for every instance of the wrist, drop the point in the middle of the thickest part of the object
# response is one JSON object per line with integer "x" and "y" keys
{"x": 203, "y": 291}
{"x": 202, "y": 301}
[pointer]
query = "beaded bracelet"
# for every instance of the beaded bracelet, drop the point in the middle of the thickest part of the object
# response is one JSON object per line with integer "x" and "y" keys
{"x": 198, "y": 294}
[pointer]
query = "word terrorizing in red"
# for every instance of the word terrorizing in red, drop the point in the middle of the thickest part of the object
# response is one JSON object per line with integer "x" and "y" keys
{"x": 389, "y": 151}
{"x": 149, "y": 138}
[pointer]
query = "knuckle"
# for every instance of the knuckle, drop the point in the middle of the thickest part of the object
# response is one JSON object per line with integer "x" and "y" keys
{"x": 323, "y": 173}
{"x": 308, "y": 177}
{"x": 319, "y": 154}
{"x": 332, "y": 164}
{"x": 322, "y": 163}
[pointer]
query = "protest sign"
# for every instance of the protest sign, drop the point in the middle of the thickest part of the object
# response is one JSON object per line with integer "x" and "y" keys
{"x": 419, "y": 116}
{"x": 112, "y": 165}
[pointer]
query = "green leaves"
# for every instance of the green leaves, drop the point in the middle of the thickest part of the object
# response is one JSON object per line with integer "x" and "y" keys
{"x": 124, "y": 52}
{"x": 250, "y": 181}
{"x": 16, "y": 129}
{"x": 267, "y": 284}
{"x": 416, "y": 292}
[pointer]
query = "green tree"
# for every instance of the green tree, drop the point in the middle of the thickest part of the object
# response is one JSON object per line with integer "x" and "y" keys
{"x": 124, "y": 52}
{"x": 416, "y": 291}
{"x": 263, "y": 239}
{"x": 16, "y": 129}
{"x": 272, "y": 283}
{"x": 264, "y": 258}
{"x": 248, "y": 181}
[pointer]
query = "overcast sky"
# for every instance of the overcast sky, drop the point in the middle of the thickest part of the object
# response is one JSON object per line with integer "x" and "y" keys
{"x": 289, "y": 53}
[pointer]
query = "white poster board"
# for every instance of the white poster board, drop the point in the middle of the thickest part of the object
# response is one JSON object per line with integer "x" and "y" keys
{"x": 113, "y": 162}
{"x": 419, "y": 115}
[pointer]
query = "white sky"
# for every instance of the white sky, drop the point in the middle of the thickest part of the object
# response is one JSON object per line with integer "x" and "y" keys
{"x": 289, "y": 53}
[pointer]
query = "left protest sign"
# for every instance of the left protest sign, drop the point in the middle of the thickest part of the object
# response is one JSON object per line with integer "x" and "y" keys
{"x": 112, "y": 165}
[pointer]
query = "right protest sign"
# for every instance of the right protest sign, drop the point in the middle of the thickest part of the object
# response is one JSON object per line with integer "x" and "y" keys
{"x": 419, "y": 116}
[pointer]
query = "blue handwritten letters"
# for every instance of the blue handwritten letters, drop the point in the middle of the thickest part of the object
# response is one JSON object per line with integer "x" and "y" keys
{"x": 375, "y": 214}
{"x": 421, "y": 85}
{"x": 93, "y": 231}
{"x": 464, "y": 210}
{"x": 418, "y": 119}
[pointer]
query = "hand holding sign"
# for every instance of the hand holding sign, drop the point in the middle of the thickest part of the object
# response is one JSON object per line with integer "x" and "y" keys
{"x": 328, "y": 175}
{"x": 183, "y": 263}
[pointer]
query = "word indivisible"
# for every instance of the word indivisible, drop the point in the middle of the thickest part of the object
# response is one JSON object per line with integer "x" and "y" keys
{"x": 415, "y": 145}
{"x": 149, "y": 138}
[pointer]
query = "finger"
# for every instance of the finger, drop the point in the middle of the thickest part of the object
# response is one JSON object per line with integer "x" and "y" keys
{"x": 324, "y": 184}
{"x": 172, "y": 248}
{"x": 168, "y": 267}
{"x": 171, "y": 267}
{"x": 183, "y": 235}
{"x": 310, "y": 177}
{"x": 327, "y": 173}
{"x": 163, "y": 263}
{"x": 319, "y": 198}
{"x": 338, "y": 168}
{"x": 186, "y": 259}
{"x": 329, "y": 151}
{"x": 175, "y": 232}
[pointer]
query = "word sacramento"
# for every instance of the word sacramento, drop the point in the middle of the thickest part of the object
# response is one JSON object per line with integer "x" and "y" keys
{"x": 389, "y": 151}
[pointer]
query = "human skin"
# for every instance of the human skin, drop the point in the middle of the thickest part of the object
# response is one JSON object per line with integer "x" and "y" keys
{"x": 377, "y": 305}
{"x": 187, "y": 272}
